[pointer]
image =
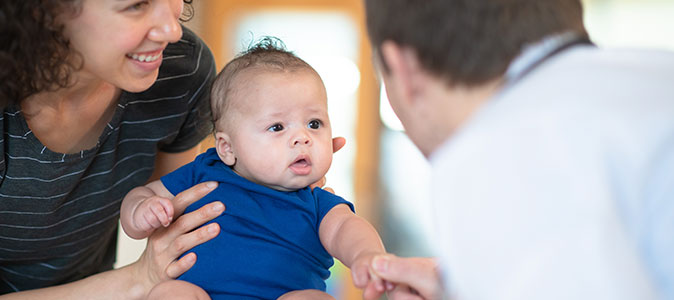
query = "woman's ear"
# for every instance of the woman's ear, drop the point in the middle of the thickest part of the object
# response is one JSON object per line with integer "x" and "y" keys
{"x": 223, "y": 146}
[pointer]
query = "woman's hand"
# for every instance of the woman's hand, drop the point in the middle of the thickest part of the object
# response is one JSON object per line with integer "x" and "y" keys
{"x": 413, "y": 278}
{"x": 160, "y": 261}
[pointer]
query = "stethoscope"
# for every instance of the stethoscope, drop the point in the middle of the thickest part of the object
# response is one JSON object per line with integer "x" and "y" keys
{"x": 533, "y": 56}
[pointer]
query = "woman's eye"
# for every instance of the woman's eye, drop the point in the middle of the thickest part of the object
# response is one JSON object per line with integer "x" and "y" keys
{"x": 138, "y": 5}
{"x": 275, "y": 128}
{"x": 314, "y": 124}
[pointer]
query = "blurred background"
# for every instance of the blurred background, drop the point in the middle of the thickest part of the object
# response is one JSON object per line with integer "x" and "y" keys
{"x": 379, "y": 169}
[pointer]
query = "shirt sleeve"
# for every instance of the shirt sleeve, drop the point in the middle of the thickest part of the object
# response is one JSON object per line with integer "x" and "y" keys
{"x": 198, "y": 122}
{"x": 325, "y": 201}
{"x": 181, "y": 179}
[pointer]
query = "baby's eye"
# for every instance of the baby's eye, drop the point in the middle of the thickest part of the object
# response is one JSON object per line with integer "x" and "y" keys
{"x": 275, "y": 128}
{"x": 314, "y": 124}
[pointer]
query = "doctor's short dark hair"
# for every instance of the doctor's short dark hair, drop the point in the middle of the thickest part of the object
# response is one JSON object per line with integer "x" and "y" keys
{"x": 269, "y": 53}
{"x": 469, "y": 42}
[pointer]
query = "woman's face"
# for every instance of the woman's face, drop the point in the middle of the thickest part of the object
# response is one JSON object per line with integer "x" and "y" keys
{"x": 121, "y": 41}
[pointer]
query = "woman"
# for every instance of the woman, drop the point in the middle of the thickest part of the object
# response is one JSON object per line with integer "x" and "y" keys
{"x": 98, "y": 96}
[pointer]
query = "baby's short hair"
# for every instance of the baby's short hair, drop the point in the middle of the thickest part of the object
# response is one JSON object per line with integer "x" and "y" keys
{"x": 268, "y": 53}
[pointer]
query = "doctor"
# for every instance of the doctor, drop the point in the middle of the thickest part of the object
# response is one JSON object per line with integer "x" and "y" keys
{"x": 553, "y": 160}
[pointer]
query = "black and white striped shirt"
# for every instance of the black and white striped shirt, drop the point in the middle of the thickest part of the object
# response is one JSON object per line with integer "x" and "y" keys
{"x": 59, "y": 212}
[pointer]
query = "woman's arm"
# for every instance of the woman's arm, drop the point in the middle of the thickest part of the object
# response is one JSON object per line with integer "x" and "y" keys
{"x": 159, "y": 261}
{"x": 115, "y": 284}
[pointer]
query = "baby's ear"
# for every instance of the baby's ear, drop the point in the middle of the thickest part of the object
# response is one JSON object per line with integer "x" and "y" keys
{"x": 224, "y": 148}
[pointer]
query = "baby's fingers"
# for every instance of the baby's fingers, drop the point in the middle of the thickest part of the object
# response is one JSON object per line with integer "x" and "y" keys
{"x": 360, "y": 275}
{"x": 150, "y": 220}
{"x": 370, "y": 292}
{"x": 163, "y": 211}
{"x": 378, "y": 282}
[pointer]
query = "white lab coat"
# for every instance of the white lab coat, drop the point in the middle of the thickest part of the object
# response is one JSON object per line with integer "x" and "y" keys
{"x": 562, "y": 186}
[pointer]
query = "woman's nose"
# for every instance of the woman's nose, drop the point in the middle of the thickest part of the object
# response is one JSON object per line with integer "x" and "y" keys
{"x": 166, "y": 27}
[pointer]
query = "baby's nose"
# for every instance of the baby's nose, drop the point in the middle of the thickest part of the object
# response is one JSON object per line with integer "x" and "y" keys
{"x": 301, "y": 139}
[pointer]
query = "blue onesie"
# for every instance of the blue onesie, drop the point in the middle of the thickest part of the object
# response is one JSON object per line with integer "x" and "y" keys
{"x": 268, "y": 244}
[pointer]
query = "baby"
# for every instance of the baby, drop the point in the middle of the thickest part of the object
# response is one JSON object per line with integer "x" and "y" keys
{"x": 278, "y": 236}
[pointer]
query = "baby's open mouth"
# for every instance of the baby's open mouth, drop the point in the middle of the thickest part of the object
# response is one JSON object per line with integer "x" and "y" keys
{"x": 301, "y": 165}
{"x": 301, "y": 162}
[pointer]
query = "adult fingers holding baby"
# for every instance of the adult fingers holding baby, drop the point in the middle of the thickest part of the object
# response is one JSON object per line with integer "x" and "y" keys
{"x": 161, "y": 258}
{"x": 409, "y": 277}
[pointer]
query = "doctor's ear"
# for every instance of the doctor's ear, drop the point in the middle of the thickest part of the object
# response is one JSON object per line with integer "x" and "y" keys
{"x": 402, "y": 68}
{"x": 224, "y": 148}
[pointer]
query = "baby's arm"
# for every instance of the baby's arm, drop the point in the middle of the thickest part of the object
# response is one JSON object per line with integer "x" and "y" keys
{"x": 146, "y": 208}
{"x": 353, "y": 241}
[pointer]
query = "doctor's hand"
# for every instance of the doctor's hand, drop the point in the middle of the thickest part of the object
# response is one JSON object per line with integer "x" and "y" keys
{"x": 412, "y": 278}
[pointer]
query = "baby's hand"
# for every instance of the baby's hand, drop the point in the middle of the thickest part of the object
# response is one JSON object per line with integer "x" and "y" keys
{"x": 364, "y": 278}
{"x": 152, "y": 213}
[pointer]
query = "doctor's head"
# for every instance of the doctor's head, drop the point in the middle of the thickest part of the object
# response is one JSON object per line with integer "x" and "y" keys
{"x": 440, "y": 59}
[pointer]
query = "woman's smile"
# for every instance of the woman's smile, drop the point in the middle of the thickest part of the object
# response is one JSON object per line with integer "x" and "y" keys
{"x": 145, "y": 57}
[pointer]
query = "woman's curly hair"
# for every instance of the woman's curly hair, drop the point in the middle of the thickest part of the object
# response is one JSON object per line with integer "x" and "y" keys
{"x": 35, "y": 56}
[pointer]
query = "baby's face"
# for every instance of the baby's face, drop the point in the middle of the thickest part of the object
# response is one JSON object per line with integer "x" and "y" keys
{"x": 280, "y": 133}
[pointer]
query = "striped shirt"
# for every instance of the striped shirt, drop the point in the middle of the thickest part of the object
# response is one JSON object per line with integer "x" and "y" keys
{"x": 59, "y": 212}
